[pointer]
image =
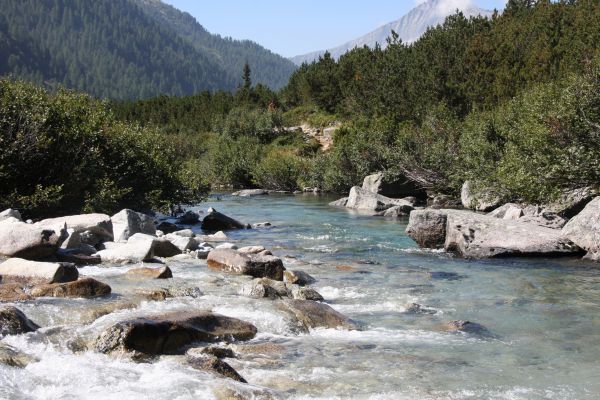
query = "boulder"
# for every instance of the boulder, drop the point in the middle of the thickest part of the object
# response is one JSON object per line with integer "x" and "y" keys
{"x": 305, "y": 293}
{"x": 251, "y": 249}
{"x": 311, "y": 314}
{"x": 250, "y": 193}
{"x": 219, "y": 352}
{"x": 129, "y": 253}
{"x": 84, "y": 288}
{"x": 584, "y": 229}
{"x": 297, "y": 277}
{"x": 478, "y": 199}
{"x": 182, "y": 243}
{"x": 14, "y": 322}
{"x": 151, "y": 273}
{"x": 215, "y": 221}
{"x": 100, "y": 225}
{"x": 167, "y": 227}
{"x": 339, "y": 203}
{"x": 13, "y": 292}
{"x": 531, "y": 213}
{"x": 256, "y": 265}
{"x": 38, "y": 272}
{"x": 171, "y": 333}
{"x": 72, "y": 240}
{"x": 230, "y": 246}
{"x": 210, "y": 363}
{"x": 18, "y": 239}
{"x": 215, "y": 237}
{"x": 10, "y": 213}
{"x": 127, "y": 223}
{"x": 362, "y": 200}
{"x": 77, "y": 256}
{"x": 394, "y": 188}
{"x": 397, "y": 211}
{"x": 427, "y": 228}
{"x": 188, "y": 218}
{"x": 572, "y": 202}
{"x": 14, "y": 358}
{"x": 473, "y": 235}
{"x": 162, "y": 246}
{"x": 265, "y": 288}
{"x": 466, "y": 327}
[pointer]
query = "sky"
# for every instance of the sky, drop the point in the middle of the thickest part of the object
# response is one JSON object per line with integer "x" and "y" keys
{"x": 294, "y": 27}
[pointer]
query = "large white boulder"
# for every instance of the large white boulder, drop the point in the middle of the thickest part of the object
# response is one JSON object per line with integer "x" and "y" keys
{"x": 18, "y": 239}
{"x": 40, "y": 272}
{"x": 363, "y": 200}
{"x": 584, "y": 229}
{"x": 10, "y": 213}
{"x": 128, "y": 253}
{"x": 99, "y": 225}
{"x": 127, "y": 222}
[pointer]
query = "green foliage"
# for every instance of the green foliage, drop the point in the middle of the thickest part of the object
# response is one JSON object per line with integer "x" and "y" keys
{"x": 280, "y": 170}
{"x": 65, "y": 153}
{"x": 250, "y": 122}
{"x": 308, "y": 114}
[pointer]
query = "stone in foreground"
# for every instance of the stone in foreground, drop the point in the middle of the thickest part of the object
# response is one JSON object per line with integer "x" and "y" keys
{"x": 256, "y": 265}
{"x": 171, "y": 333}
{"x": 14, "y": 322}
{"x": 210, "y": 363}
{"x": 311, "y": 314}
{"x": 584, "y": 229}
{"x": 214, "y": 221}
{"x": 18, "y": 239}
{"x": 87, "y": 288}
{"x": 40, "y": 272}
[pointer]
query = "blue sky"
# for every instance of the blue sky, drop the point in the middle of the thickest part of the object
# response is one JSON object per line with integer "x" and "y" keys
{"x": 292, "y": 27}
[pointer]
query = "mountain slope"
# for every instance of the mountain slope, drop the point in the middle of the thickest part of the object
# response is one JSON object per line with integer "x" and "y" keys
{"x": 121, "y": 49}
{"x": 409, "y": 28}
{"x": 267, "y": 67}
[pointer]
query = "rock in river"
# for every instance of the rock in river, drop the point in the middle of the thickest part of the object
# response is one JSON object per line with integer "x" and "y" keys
{"x": 427, "y": 228}
{"x": 18, "y": 239}
{"x": 584, "y": 229}
{"x": 171, "y": 333}
{"x": 311, "y": 314}
{"x": 210, "y": 363}
{"x": 215, "y": 221}
{"x": 362, "y": 200}
{"x": 37, "y": 272}
{"x": 151, "y": 273}
{"x": 132, "y": 252}
{"x": 298, "y": 277}
{"x": 83, "y": 288}
{"x": 99, "y": 225}
{"x": 14, "y": 322}
{"x": 128, "y": 222}
{"x": 256, "y": 265}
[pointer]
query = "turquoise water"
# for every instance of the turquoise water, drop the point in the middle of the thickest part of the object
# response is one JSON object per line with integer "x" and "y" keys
{"x": 543, "y": 316}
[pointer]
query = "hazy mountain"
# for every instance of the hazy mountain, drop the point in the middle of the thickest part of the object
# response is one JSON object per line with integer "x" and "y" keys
{"x": 125, "y": 49}
{"x": 410, "y": 27}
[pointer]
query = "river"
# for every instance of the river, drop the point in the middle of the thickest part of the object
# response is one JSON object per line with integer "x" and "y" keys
{"x": 543, "y": 316}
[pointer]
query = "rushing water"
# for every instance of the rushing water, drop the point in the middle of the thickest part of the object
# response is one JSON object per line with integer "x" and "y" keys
{"x": 543, "y": 316}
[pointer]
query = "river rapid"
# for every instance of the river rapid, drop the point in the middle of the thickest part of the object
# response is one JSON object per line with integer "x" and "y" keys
{"x": 543, "y": 316}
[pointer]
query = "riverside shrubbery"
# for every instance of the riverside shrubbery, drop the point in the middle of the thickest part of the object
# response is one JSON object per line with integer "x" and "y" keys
{"x": 65, "y": 153}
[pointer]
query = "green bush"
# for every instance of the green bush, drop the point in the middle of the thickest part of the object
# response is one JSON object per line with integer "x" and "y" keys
{"x": 251, "y": 122}
{"x": 279, "y": 169}
{"x": 64, "y": 153}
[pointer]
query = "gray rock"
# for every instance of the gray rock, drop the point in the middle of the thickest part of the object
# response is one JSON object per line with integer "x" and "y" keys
{"x": 396, "y": 188}
{"x": 584, "y": 229}
{"x": 129, "y": 253}
{"x": 14, "y": 358}
{"x": 98, "y": 224}
{"x": 215, "y": 221}
{"x": 210, "y": 363}
{"x": 182, "y": 243}
{"x": 311, "y": 314}
{"x": 167, "y": 227}
{"x": 339, "y": 203}
{"x": 18, "y": 239}
{"x": 225, "y": 246}
{"x": 78, "y": 257}
{"x": 216, "y": 351}
{"x": 151, "y": 273}
{"x": 188, "y": 218}
{"x": 14, "y": 322}
{"x": 10, "y": 213}
{"x": 266, "y": 288}
{"x": 215, "y": 237}
{"x": 83, "y": 288}
{"x": 184, "y": 233}
{"x": 473, "y": 235}
{"x": 372, "y": 203}
{"x": 171, "y": 333}
{"x": 256, "y": 265}
{"x": 297, "y": 277}
{"x": 478, "y": 199}
{"x": 38, "y": 272}
{"x": 397, "y": 211}
{"x": 72, "y": 241}
{"x": 305, "y": 293}
{"x": 127, "y": 223}
{"x": 427, "y": 228}
{"x": 250, "y": 249}
{"x": 162, "y": 246}
{"x": 251, "y": 193}
{"x": 572, "y": 202}
{"x": 532, "y": 213}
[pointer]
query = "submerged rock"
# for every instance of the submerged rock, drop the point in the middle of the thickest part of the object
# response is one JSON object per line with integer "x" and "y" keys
{"x": 415, "y": 308}
{"x": 18, "y": 239}
{"x": 171, "y": 333}
{"x": 584, "y": 229}
{"x": 127, "y": 223}
{"x": 77, "y": 257}
{"x": 311, "y": 314}
{"x": 298, "y": 277}
{"x": 339, "y": 203}
{"x": 14, "y": 322}
{"x": 256, "y": 265}
{"x": 167, "y": 227}
{"x": 466, "y": 327}
{"x": 215, "y": 221}
{"x": 209, "y": 363}
{"x": 151, "y": 273}
{"x": 251, "y": 193}
{"x": 38, "y": 272}
{"x": 84, "y": 288}
{"x": 13, "y": 292}
{"x": 14, "y": 358}
{"x": 216, "y": 351}
{"x": 188, "y": 218}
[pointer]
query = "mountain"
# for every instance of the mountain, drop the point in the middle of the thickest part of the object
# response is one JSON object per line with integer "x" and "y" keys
{"x": 409, "y": 28}
{"x": 125, "y": 49}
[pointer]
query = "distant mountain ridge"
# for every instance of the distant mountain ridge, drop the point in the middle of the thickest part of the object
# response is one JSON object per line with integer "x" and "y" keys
{"x": 126, "y": 49}
{"x": 409, "y": 28}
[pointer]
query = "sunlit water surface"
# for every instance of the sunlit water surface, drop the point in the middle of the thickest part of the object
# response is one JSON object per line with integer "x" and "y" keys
{"x": 543, "y": 315}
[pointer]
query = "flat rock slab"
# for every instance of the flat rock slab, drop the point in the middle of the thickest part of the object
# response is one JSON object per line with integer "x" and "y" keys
{"x": 98, "y": 224}
{"x": 311, "y": 314}
{"x": 151, "y": 273}
{"x": 38, "y": 272}
{"x": 171, "y": 333}
{"x": 18, "y": 239}
{"x": 82, "y": 288}
{"x": 256, "y": 265}
{"x": 14, "y": 322}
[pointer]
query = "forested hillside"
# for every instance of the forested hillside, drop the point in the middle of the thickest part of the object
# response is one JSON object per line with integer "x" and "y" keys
{"x": 120, "y": 49}
{"x": 511, "y": 102}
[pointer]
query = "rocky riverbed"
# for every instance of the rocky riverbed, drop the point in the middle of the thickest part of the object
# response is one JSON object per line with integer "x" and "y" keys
{"x": 319, "y": 302}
